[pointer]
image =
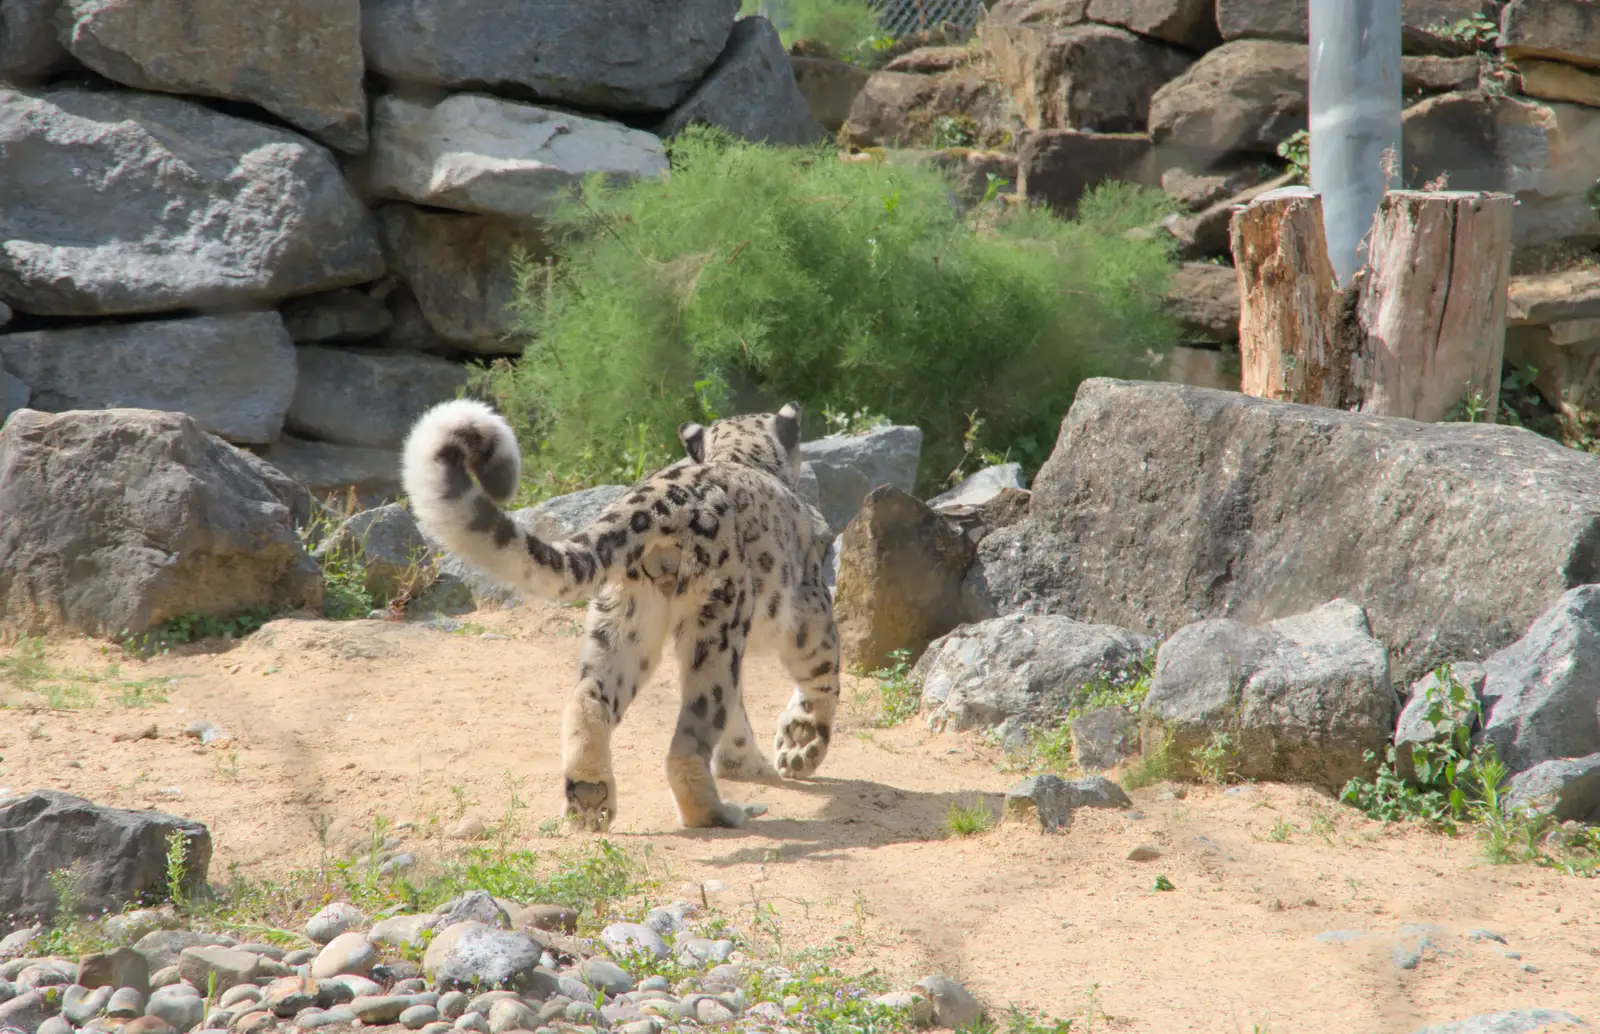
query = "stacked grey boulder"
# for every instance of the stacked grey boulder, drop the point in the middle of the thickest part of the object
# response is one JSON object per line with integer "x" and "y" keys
{"x": 292, "y": 221}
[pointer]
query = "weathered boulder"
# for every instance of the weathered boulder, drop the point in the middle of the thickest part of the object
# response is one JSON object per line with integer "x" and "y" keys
{"x": 29, "y": 48}
{"x": 1555, "y": 30}
{"x": 457, "y": 268}
{"x": 836, "y": 492}
{"x": 1093, "y": 77}
{"x": 327, "y": 470}
{"x": 1204, "y": 297}
{"x": 1164, "y": 504}
{"x": 141, "y": 202}
{"x": 907, "y": 109}
{"x": 1248, "y": 95}
{"x": 1055, "y": 167}
{"x": 981, "y": 486}
{"x": 1191, "y": 24}
{"x": 1555, "y": 81}
{"x": 368, "y": 397}
{"x": 300, "y": 60}
{"x": 1030, "y": 667}
{"x": 630, "y": 56}
{"x": 886, "y": 455}
{"x": 1301, "y": 699}
{"x": 119, "y": 519}
{"x": 347, "y": 314}
{"x": 749, "y": 91}
{"x": 829, "y": 87}
{"x": 121, "y": 855}
{"x": 1541, "y": 692}
{"x": 1198, "y": 188}
{"x": 899, "y": 583}
{"x": 1567, "y": 788}
{"x": 477, "y": 957}
{"x": 233, "y": 374}
{"x": 1545, "y": 153}
{"x": 476, "y": 153}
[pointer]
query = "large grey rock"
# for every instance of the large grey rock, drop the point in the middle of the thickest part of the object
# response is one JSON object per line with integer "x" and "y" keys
{"x": 1191, "y": 24}
{"x": 14, "y": 393}
{"x": 836, "y": 492}
{"x": 477, "y": 153}
{"x": 1301, "y": 699}
{"x": 886, "y": 455}
{"x": 1034, "y": 668}
{"x": 1542, "y": 691}
{"x": 141, "y": 202}
{"x": 299, "y": 59}
{"x": 1511, "y": 1021}
{"x": 1056, "y": 167}
{"x": 1568, "y": 788}
{"x": 750, "y": 91}
{"x": 29, "y": 47}
{"x": 234, "y": 374}
{"x": 368, "y": 398}
{"x": 332, "y": 316}
{"x": 1545, "y": 153}
{"x": 121, "y": 855}
{"x": 981, "y": 486}
{"x": 458, "y": 269}
{"x": 474, "y": 956}
{"x": 1248, "y": 95}
{"x": 622, "y": 56}
{"x": 119, "y": 519}
{"x": 327, "y": 470}
{"x": 1163, "y": 504}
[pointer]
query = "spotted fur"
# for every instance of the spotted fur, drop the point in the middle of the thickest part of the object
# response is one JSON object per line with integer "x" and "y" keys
{"x": 716, "y": 552}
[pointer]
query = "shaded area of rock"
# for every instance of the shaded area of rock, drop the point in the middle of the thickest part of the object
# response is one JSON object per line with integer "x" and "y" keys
{"x": 119, "y": 519}
{"x": 1301, "y": 699}
{"x": 367, "y": 398}
{"x": 1104, "y": 738}
{"x": 1204, "y": 297}
{"x": 886, "y": 455}
{"x": 1030, "y": 667}
{"x": 749, "y": 91}
{"x": 1055, "y": 167}
{"x": 1569, "y": 789}
{"x": 829, "y": 87}
{"x": 1248, "y": 95}
{"x": 343, "y": 315}
{"x": 899, "y": 585}
{"x": 328, "y": 470}
{"x": 1089, "y": 77}
{"x": 142, "y": 202}
{"x": 234, "y": 374}
{"x": 120, "y": 855}
{"x": 1541, "y": 693}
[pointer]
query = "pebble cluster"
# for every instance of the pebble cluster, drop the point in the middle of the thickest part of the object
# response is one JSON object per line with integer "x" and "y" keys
{"x": 486, "y": 965}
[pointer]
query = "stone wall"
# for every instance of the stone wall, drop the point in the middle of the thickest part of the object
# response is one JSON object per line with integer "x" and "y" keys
{"x": 292, "y": 219}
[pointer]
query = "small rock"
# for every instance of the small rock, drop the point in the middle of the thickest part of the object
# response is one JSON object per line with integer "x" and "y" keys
{"x": 1104, "y": 738}
{"x": 1481, "y": 934}
{"x": 953, "y": 1005}
{"x": 605, "y": 976}
{"x": 1050, "y": 800}
{"x": 511, "y": 1014}
{"x": 473, "y": 955}
{"x": 401, "y": 931}
{"x": 1144, "y": 853}
{"x": 418, "y": 1016}
{"x": 251, "y": 1023}
{"x": 242, "y": 993}
{"x": 581, "y": 1013}
{"x": 217, "y": 967}
{"x": 473, "y": 1021}
{"x": 132, "y": 927}
{"x": 55, "y": 1025}
{"x": 347, "y": 953}
{"x": 81, "y": 1004}
{"x": 452, "y": 1004}
{"x": 1406, "y": 957}
{"x": 558, "y": 918}
{"x": 356, "y": 985}
{"x": 711, "y": 1011}
{"x": 630, "y": 938}
{"x": 380, "y": 1009}
{"x": 334, "y": 919}
{"x": 403, "y": 860}
{"x": 148, "y": 1025}
{"x": 16, "y": 942}
{"x": 1339, "y": 936}
{"x": 126, "y": 1003}
{"x": 474, "y": 906}
{"x": 25, "y": 1012}
{"x": 288, "y": 996}
{"x": 469, "y": 828}
{"x": 182, "y": 1012}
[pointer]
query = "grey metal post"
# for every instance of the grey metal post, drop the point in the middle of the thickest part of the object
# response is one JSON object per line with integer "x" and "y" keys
{"x": 1355, "y": 117}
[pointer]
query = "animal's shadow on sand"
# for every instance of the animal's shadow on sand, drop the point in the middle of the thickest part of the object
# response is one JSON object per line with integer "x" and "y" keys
{"x": 857, "y": 813}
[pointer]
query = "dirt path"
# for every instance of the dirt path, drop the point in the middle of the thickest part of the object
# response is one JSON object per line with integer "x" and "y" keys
{"x": 359, "y": 719}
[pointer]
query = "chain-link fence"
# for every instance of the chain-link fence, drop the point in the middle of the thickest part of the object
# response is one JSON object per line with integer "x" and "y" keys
{"x": 901, "y": 17}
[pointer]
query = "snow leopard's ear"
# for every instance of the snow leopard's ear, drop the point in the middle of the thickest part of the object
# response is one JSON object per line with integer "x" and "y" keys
{"x": 693, "y": 437}
{"x": 787, "y": 425}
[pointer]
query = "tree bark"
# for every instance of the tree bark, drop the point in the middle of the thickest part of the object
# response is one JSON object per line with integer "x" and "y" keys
{"x": 1432, "y": 311}
{"x": 1418, "y": 333}
{"x": 1289, "y": 301}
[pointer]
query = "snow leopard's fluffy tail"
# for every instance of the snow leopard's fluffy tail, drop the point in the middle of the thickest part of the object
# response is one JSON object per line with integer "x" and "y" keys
{"x": 461, "y": 462}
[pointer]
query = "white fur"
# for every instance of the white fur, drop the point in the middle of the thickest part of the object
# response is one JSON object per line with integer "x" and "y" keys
{"x": 424, "y": 481}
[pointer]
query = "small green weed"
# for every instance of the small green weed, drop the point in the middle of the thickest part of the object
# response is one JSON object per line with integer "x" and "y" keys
{"x": 1280, "y": 831}
{"x": 39, "y": 685}
{"x": 1213, "y": 762}
{"x": 177, "y": 869}
{"x": 1162, "y": 883}
{"x": 897, "y": 696}
{"x": 193, "y": 627}
{"x": 67, "y": 934}
{"x": 1154, "y": 764}
{"x": 1049, "y": 747}
{"x": 968, "y": 819}
{"x": 1296, "y": 151}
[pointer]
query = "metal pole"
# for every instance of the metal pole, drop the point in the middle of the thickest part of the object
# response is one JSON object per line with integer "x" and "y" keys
{"x": 1355, "y": 118}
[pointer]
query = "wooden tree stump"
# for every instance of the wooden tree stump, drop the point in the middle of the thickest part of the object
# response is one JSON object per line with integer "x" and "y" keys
{"x": 1418, "y": 333}
{"x": 1289, "y": 301}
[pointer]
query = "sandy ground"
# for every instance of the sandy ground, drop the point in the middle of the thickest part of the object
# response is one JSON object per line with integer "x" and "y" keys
{"x": 359, "y": 719}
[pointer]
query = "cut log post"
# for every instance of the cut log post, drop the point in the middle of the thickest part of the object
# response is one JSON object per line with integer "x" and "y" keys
{"x": 1289, "y": 301}
{"x": 1418, "y": 333}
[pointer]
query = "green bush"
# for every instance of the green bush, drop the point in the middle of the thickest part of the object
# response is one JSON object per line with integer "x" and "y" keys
{"x": 758, "y": 274}
{"x": 845, "y": 28}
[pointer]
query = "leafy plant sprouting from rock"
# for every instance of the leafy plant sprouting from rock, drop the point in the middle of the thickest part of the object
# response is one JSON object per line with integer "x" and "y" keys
{"x": 853, "y": 285}
{"x": 897, "y": 697}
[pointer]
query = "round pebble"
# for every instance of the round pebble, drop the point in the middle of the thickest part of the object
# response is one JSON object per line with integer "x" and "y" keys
{"x": 418, "y": 1016}
{"x": 347, "y": 954}
{"x": 472, "y": 1021}
{"x": 239, "y": 993}
{"x": 583, "y": 1013}
{"x": 181, "y": 1011}
{"x": 655, "y": 983}
{"x": 334, "y": 919}
{"x": 452, "y": 1004}
{"x": 125, "y": 1004}
{"x": 54, "y": 1025}
{"x": 632, "y": 938}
